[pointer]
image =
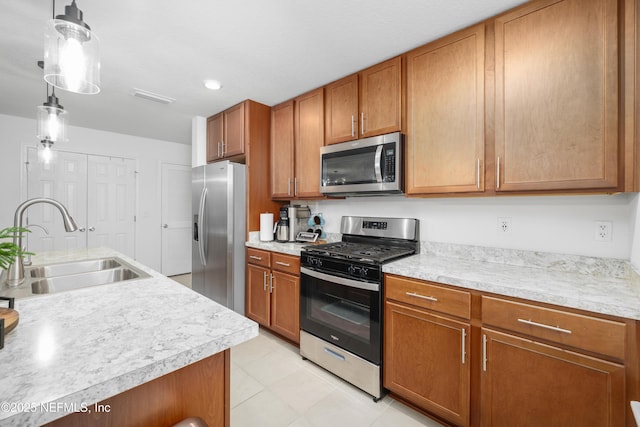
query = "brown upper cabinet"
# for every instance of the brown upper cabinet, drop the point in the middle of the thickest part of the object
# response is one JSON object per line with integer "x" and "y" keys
{"x": 365, "y": 104}
{"x": 226, "y": 133}
{"x": 556, "y": 87}
{"x": 309, "y": 137}
{"x": 445, "y": 115}
{"x": 297, "y": 133}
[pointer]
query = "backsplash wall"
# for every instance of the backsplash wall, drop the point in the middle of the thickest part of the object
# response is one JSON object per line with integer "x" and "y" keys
{"x": 559, "y": 224}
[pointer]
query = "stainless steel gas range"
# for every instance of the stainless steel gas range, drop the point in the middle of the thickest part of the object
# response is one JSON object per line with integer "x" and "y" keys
{"x": 341, "y": 291}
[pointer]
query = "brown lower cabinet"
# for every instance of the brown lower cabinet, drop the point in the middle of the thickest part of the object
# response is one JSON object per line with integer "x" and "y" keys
{"x": 472, "y": 359}
{"x": 273, "y": 292}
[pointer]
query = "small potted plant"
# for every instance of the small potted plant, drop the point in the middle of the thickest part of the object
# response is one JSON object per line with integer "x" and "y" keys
{"x": 8, "y": 250}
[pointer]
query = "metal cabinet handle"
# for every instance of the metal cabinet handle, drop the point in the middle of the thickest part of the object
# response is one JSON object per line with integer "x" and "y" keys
{"x": 542, "y": 325}
{"x": 271, "y": 283}
{"x": 264, "y": 282}
{"x": 478, "y": 175}
{"x": 414, "y": 294}
{"x": 92, "y": 229}
{"x": 165, "y": 225}
{"x": 218, "y": 149}
{"x": 256, "y": 257}
{"x": 353, "y": 130}
{"x": 82, "y": 229}
{"x": 223, "y": 147}
{"x": 498, "y": 174}
{"x": 295, "y": 186}
{"x": 361, "y": 123}
{"x": 464, "y": 350}
{"x": 484, "y": 353}
{"x": 283, "y": 263}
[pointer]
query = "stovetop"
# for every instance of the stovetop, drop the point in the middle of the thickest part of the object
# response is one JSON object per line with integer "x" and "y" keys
{"x": 361, "y": 252}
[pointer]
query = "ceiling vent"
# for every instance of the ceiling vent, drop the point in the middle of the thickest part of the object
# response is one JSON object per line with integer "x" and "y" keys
{"x": 150, "y": 96}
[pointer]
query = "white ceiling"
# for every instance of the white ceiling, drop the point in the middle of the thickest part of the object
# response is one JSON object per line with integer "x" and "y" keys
{"x": 268, "y": 51}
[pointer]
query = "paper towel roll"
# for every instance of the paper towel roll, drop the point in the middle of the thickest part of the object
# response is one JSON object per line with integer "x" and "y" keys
{"x": 266, "y": 227}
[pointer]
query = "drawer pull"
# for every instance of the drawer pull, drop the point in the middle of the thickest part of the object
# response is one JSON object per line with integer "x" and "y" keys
{"x": 334, "y": 354}
{"x": 255, "y": 257}
{"x": 542, "y": 325}
{"x": 414, "y": 294}
{"x": 283, "y": 263}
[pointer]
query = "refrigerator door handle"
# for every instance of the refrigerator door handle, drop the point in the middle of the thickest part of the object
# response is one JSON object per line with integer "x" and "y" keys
{"x": 202, "y": 229}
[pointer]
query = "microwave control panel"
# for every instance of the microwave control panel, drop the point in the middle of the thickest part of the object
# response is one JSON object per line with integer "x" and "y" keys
{"x": 389, "y": 174}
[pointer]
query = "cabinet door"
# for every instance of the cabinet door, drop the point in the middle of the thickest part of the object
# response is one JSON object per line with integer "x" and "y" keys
{"x": 282, "y": 141}
{"x": 341, "y": 115}
{"x": 557, "y": 96}
{"x": 215, "y": 134}
{"x": 426, "y": 361}
{"x": 285, "y": 305}
{"x": 257, "y": 296}
{"x": 233, "y": 143}
{"x": 445, "y": 107}
{"x": 525, "y": 383}
{"x": 381, "y": 98}
{"x": 309, "y": 110}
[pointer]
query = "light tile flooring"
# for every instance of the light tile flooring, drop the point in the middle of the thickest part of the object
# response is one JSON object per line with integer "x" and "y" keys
{"x": 271, "y": 386}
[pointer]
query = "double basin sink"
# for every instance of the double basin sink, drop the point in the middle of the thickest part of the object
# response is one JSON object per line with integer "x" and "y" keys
{"x": 80, "y": 274}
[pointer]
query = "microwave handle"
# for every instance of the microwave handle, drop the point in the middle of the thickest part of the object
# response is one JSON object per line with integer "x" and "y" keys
{"x": 378, "y": 161}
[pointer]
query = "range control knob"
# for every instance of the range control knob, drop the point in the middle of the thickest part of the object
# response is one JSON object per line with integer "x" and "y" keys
{"x": 363, "y": 272}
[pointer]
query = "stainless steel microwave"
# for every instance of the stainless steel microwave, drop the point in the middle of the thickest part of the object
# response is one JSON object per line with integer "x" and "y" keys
{"x": 368, "y": 166}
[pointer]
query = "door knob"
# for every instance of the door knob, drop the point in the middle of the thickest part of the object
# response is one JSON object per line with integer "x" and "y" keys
{"x": 92, "y": 229}
{"x": 82, "y": 229}
{"x": 165, "y": 225}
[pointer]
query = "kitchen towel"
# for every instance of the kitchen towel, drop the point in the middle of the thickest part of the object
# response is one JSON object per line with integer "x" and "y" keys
{"x": 266, "y": 227}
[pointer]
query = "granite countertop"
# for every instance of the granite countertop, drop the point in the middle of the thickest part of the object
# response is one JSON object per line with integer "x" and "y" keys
{"x": 80, "y": 347}
{"x": 594, "y": 284}
{"x": 289, "y": 248}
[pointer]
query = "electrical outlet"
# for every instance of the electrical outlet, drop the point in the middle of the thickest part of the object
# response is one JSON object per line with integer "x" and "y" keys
{"x": 603, "y": 230}
{"x": 504, "y": 225}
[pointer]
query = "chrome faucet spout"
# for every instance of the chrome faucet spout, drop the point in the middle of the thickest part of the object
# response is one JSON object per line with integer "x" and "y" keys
{"x": 15, "y": 273}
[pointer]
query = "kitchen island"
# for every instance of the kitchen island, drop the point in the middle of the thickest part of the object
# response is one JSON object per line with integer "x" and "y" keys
{"x": 158, "y": 344}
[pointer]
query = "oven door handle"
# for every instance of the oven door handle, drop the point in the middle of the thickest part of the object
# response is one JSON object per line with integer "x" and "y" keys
{"x": 341, "y": 280}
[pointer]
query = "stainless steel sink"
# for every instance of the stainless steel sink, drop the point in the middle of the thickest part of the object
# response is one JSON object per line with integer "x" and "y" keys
{"x": 67, "y": 268}
{"x": 82, "y": 274}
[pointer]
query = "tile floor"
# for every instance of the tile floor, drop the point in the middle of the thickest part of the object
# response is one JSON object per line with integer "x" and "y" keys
{"x": 271, "y": 386}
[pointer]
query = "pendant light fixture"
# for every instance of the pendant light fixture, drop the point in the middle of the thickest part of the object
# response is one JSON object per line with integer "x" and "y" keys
{"x": 71, "y": 53}
{"x": 52, "y": 122}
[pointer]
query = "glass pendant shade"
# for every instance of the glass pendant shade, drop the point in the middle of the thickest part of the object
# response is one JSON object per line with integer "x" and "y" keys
{"x": 52, "y": 121}
{"x": 71, "y": 53}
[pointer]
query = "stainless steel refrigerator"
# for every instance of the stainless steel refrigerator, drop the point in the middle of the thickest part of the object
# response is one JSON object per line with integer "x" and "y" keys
{"x": 219, "y": 229}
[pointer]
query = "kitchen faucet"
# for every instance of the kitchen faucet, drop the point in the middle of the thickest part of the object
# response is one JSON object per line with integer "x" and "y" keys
{"x": 15, "y": 273}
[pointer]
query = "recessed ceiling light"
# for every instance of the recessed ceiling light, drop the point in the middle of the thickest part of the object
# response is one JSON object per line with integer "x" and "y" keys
{"x": 212, "y": 84}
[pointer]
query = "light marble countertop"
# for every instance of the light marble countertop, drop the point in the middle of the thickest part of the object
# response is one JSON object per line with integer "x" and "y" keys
{"x": 80, "y": 347}
{"x": 598, "y": 293}
{"x": 289, "y": 248}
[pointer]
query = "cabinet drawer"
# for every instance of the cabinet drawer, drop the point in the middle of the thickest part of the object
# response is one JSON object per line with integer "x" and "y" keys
{"x": 584, "y": 332}
{"x": 286, "y": 263}
{"x": 259, "y": 257}
{"x": 428, "y": 295}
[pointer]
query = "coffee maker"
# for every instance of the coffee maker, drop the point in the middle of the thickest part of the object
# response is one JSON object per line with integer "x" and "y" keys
{"x": 282, "y": 226}
{"x": 293, "y": 219}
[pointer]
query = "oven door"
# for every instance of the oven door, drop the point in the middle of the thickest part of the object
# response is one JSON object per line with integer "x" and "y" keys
{"x": 344, "y": 312}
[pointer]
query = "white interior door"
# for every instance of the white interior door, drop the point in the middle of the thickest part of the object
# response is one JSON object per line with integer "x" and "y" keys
{"x": 176, "y": 219}
{"x": 111, "y": 203}
{"x": 64, "y": 178}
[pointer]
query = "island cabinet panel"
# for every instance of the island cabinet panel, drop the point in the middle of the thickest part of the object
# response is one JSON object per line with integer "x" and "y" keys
{"x": 526, "y": 383}
{"x": 197, "y": 390}
{"x": 556, "y": 86}
{"x": 282, "y": 150}
{"x": 273, "y": 292}
{"x": 341, "y": 113}
{"x": 445, "y": 115}
{"x": 309, "y": 137}
{"x": 426, "y": 354}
